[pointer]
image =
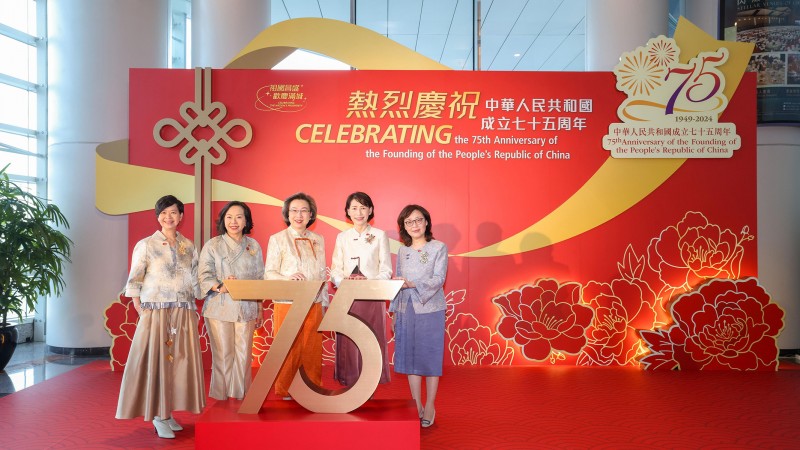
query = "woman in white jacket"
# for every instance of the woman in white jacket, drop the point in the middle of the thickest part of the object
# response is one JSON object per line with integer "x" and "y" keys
{"x": 361, "y": 253}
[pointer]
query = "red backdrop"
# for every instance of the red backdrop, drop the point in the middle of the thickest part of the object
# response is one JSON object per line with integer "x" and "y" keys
{"x": 592, "y": 291}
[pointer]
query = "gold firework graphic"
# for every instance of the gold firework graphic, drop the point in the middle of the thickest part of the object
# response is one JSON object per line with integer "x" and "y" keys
{"x": 663, "y": 51}
{"x": 638, "y": 74}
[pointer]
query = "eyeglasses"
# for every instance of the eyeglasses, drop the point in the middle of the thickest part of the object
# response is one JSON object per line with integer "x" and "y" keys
{"x": 417, "y": 221}
{"x": 299, "y": 211}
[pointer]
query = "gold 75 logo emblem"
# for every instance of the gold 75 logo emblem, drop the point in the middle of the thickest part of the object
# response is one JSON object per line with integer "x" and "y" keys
{"x": 302, "y": 293}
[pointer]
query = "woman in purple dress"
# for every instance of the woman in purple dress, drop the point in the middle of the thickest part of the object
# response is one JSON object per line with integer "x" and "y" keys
{"x": 418, "y": 311}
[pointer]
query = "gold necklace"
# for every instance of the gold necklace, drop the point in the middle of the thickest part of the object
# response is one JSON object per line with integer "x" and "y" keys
{"x": 172, "y": 330}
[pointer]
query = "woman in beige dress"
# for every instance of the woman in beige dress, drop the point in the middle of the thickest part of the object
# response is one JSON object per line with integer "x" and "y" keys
{"x": 164, "y": 371}
{"x": 297, "y": 253}
{"x": 230, "y": 323}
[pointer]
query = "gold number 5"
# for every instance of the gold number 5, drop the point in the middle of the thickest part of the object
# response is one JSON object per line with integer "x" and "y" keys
{"x": 302, "y": 294}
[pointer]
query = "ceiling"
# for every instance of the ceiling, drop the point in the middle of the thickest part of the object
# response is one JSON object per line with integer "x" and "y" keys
{"x": 523, "y": 35}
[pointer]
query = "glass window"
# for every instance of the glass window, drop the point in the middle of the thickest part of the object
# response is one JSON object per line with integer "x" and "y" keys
{"x": 180, "y": 53}
{"x": 22, "y": 125}
{"x": 514, "y": 34}
{"x": 19, "y": 59}
{"x": 20, "y": 15}
{"x": 18, "y": 107}
{"x": 18, "y": 164}
{"x": 17, "y": 142}
{"x": 676, "y": 10}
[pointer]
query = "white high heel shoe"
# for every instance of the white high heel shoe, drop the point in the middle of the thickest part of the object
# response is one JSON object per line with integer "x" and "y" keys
{"x": 163, "y": 429}
{"x": 173, "y": 424}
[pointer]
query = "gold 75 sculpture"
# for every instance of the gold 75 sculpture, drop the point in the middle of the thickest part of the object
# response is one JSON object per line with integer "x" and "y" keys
{"x": 302, "y": 293}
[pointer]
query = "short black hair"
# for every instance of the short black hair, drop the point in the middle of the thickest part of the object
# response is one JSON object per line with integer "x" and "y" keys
{"x": 167, "y": 201}
{"x": 362, "y": 198}
{"x": 248, "y": 217}
{"x": 404, "y": 236}
{"x": 312, "y": 205}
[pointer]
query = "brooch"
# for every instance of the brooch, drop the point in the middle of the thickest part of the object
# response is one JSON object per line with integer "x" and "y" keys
{"x": 252, "y": 251}
{"x": 369, "y": 238}
{"x": 424, "y": 258}
{"x": 181, "y": 248}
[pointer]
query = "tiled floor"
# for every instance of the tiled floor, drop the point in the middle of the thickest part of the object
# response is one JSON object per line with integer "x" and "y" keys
{"x": 32, "y": 363}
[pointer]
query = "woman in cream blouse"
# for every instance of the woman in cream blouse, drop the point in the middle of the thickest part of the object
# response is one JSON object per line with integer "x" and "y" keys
{"x": 367, "y": 248}
{"x": 230, "y": 323}
{"x": 297, "y": 253}
{"x": 164, "y": 371}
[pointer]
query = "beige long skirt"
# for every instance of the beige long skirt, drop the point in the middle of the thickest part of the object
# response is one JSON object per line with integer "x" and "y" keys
{"x": 164, "y": 371}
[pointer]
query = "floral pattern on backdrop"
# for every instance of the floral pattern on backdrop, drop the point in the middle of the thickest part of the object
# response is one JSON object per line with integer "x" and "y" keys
{"x": 681, "y": 306}
{"x": 725, "y": 324}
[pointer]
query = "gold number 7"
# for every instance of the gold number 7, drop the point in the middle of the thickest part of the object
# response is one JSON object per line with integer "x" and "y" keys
{"x": 302, "y": 294}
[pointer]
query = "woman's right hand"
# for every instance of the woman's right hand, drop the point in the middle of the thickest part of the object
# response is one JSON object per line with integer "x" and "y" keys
{"x": 137, "y": 305}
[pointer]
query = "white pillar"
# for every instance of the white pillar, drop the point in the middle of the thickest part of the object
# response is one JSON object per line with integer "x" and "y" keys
{"x": 705, "y": 15}
{"x": 91, "y": 47}
{"x": 220, "y": 30}
{"x": 617, "y": 26}
{"x": 778, "y": 224}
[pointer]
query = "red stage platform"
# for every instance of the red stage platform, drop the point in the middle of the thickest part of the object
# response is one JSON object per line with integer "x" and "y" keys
{"x": 477, "y": 408}
{"x": 386, "y": 424}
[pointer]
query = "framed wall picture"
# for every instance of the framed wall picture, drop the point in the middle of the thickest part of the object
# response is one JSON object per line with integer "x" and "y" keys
{"x": 774, "y": 27}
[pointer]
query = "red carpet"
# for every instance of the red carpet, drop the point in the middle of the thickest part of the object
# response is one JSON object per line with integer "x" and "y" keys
{"x": 477, "y": 408}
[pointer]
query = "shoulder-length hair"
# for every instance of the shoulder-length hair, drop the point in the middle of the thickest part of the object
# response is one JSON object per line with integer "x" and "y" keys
{"x": 401, "y": 219}
{"x": 312, "y": 206}
{"x": 248, "y": 218}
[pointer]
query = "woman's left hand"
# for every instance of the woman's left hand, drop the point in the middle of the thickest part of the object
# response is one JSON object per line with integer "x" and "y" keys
{"x": 260, "y": 319}
{"x": 406, "y": 284}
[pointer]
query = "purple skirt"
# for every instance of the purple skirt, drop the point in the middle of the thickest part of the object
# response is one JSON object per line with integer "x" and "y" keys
{"x": 348, "y": 357}
{"x": 419, "y": 342}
